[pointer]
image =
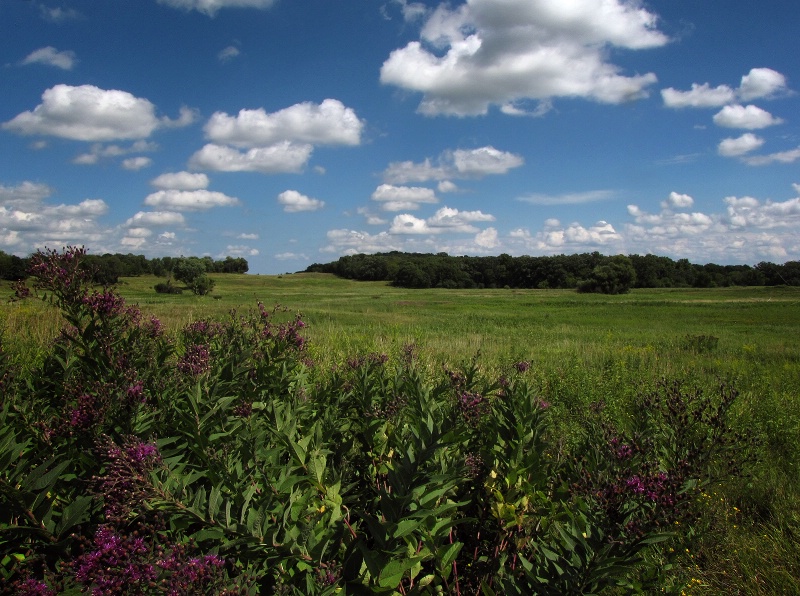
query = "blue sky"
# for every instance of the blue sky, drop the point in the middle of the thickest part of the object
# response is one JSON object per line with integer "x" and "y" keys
{"x": 296, "y": 131}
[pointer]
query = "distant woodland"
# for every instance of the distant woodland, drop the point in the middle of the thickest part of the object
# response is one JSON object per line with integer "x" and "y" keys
{"x": 108, "y": 268}
{"x": 589, "y": 272}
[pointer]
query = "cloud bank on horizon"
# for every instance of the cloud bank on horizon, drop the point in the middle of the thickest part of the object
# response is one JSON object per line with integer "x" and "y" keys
{"x": 290, "y": 133}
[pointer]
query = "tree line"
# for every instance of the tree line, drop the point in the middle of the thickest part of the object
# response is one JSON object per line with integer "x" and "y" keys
{"x": 108, "y": 268}
{"x": 589, "y": 272}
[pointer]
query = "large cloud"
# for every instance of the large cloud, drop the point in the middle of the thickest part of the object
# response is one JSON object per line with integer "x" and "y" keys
{"x": 500, "y": 52}
{"x": 88, "y": 113}
{"x": 740, "y": 145}
{"x": 328, "y": 123}
{"x": 180, "y": 181}
{"x": 461, "y": 163}
{"x": 444, "y": 220}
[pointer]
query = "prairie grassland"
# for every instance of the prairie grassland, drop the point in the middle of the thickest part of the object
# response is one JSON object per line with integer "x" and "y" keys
{"x": 584, "y": 349}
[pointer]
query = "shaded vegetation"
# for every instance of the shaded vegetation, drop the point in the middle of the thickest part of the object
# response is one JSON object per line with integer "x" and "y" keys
{"x": 590, "y": 272}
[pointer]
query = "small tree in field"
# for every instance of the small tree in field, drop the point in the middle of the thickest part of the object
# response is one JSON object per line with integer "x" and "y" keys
{"x": 192, "y": 272}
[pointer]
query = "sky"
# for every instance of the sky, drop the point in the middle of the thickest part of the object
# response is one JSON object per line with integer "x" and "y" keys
{"x": 292, "y": 132}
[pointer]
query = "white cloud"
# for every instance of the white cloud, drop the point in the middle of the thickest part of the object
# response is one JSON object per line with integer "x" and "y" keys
{"x": 234, "y": 250}
{"x": 498, "y": 52}
{"x": 99, "y": 151}
{"x": 399, "y": 198}
{"x": 291, "y": 256}
{"x": 677, "y": 201}
{"x": 136, "y": 163}
{"x": 189, "y": 200}
{"x": 761, "y": 82}
{"x": 371, "y": 218}
{"x": 445, "y": 219}
{"x": 139, "y": 232}
{"x": 50, "y": 56}
{"x": 27, "y": 222}
{"x": 461, "y": 163}
{"x": 344, "y": 241}
{"x": 749, "y": 117}
{"x": 780, "y": 157}
{"x": 186, "y": 116}
{"x": 328, "y": 123}
{"x": 228, "y": 54}
{"x": 87, "y": 113}
{"x": 247, "y": 236}
{"x": 447, "y": 186}
{"x": 210, "y": 7}
{"x": 575, "y": 198}
{"x": 739, "y": 146}
{"x": 487, "y": 238}
{"x": 156, "y": 218}
{"x": 294, "y": 202}
{"x": 58, "y": 15}
{"x": 180, "y": 181}
{"x": 282, "y": 157}
{"x": 700, "y": 96}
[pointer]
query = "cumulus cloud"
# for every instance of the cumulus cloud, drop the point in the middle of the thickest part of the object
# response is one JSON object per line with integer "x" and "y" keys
{"x": 100, "y": 151}
{"x": 211, "y": 7}
{"x": 445, "y": 219}
{"x": 295, "y": 202}
{"x": 461, "y": 163}
{"x": 758, "y": 83}
{"x": 677, "y": 201}
{"x": 700, "y": 96}
{"x": 749, "y": 117}
{"x": 284, "y": 157}
{"x": 136, "y": 163}
{"x": 156, "y": 219}
{"x": 27, "y": 221}
{"x": 328, "y": 123}
{"x": 88, "y": 113}
{"x": 189, "y": 200}
{"x": 487, "y": 238}
{"x": 180, "y": 181}
{"x": 50, "y": 56}
{"x": 740, "y": 145}
{"x": 399, "y": 198}
{"x": 498, "y": 52}
{"x": 238, "y": 250}
{"x": 345, "y": 241}
{"x": 761, "y": 82}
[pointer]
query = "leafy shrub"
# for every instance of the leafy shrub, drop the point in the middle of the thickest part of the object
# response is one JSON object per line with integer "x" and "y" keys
{"x": 220, "y": 460}
{"x": 167, "y": 288}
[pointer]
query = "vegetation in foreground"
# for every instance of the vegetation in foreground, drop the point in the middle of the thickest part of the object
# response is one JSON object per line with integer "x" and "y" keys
{"x": 220, "y": 459}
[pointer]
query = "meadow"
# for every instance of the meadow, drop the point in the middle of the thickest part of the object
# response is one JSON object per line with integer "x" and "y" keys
{"x": 583, "y": 350}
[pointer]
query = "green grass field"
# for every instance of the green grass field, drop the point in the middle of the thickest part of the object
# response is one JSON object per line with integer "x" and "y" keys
{"x": 584, "y": 348}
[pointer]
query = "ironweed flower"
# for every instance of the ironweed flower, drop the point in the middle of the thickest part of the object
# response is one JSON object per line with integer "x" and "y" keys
{"x": 116, "y": 564}
{"x": 522, "y": 366}
{"x": 472, "y": 406}
{"x": 196, "y": 361}
{"x": 32, "y": 587}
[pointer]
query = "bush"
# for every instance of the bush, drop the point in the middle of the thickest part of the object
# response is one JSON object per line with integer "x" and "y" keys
{"x": 167, "y": 288}
{"x": 219, "y": 459}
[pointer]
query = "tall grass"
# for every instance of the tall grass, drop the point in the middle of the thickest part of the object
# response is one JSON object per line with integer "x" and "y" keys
{"x": 584, "y": 349}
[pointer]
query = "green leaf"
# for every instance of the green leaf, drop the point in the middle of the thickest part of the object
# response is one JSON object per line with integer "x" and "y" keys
{"x": 73, "y": 514}
{"x": 392, "y": 574}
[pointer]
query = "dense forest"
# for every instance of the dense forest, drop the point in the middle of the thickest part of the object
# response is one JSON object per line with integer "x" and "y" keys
{"x": 591, "y": 272}
{"x": 108, "y": 268}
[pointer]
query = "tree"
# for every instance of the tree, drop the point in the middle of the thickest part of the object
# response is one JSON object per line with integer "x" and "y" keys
{"x": 615, "y": 276}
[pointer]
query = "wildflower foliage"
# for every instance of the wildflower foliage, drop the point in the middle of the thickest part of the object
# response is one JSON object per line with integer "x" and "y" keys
{"x": 220, "y": 460}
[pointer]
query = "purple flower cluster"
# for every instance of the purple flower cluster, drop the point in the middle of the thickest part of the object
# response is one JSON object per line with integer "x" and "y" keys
{"x": 32, "y": 587}
{"x": 60, "y": 273}
{"x": 85, "y": 413}
{"x": 190, "y": 575}
{"x": 473, "y": 406}
{"x": 125, "y": 483}
{"x": 105, "y": 304}
{"x": 202, "y": 331}
{"x": 116, "y": 564}
{"x": 375, "y": 359}
{"x": 196, "y": 361}
{"x": 621, "y": 451}
{"x": 522, "y": 366}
